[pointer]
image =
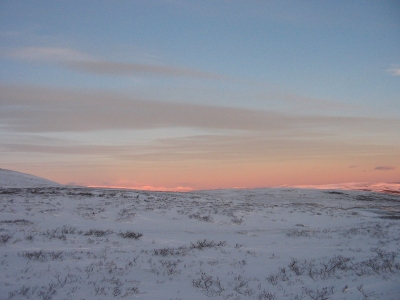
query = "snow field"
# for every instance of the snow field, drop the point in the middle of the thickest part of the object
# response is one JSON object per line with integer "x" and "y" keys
{"x": 89, "y": 243}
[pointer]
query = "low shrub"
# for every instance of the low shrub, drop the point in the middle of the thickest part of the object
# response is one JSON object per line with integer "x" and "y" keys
{"x": 129, "y": 234}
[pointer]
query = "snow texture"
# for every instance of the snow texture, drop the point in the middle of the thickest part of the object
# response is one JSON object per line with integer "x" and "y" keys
{"x": 59, "y": 242}
{"x": 16, "y": 179}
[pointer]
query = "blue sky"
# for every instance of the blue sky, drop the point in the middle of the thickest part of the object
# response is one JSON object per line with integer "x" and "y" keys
{"x": 201, "y": 94}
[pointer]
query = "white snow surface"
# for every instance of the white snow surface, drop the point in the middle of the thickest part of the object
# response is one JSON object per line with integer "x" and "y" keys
{"x": 10, "y": 178}
{"x": 382, "y": 187}
{"x": 59, "y": 242}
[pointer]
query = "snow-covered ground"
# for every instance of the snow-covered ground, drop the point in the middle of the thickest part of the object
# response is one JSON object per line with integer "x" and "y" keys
{"x": 59, "y": 242}
{"x": 10, "y": 178}
{"x": 381, "y": 187}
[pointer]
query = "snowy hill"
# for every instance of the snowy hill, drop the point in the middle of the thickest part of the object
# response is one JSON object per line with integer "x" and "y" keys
{"x": 381, "y": 187}
{"x": 10, "y": 178}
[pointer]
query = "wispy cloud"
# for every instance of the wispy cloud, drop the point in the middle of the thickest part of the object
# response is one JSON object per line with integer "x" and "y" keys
{"x": 48, "y": 54}
{"x": 10, "y": 33}
{"x": 66, "y": 148}
{"x": 82, "y": 62}
{"x": 395, "y": 71}
{"x": 217, "y": 148}
{"x": 384, "y": 168}
{"x": 242, "y": 148}
{"x": 30, "y": 109}
{"x": 125, "y": 69}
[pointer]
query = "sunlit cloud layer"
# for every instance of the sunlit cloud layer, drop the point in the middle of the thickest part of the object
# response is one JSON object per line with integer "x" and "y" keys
{"x": 30, "y": 109}
{"x": 221, "y": 148}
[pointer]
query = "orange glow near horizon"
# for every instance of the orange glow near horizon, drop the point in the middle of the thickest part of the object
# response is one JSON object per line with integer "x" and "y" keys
{"x": 377, "y": 187}
{"x": 145, "y": 188}
{"x": 191, "y": 175}
{"x": 228, "y": 176}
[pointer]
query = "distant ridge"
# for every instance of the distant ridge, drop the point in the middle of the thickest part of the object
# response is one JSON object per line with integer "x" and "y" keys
{"x": 381, "y": 187}
{"x": 15, "y": 179}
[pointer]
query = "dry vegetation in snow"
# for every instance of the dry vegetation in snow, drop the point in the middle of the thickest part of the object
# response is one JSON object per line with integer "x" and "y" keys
{"x": 82, "y": 243}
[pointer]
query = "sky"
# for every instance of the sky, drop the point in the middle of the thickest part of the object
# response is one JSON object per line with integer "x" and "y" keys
{"x": 187, "y": 94}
